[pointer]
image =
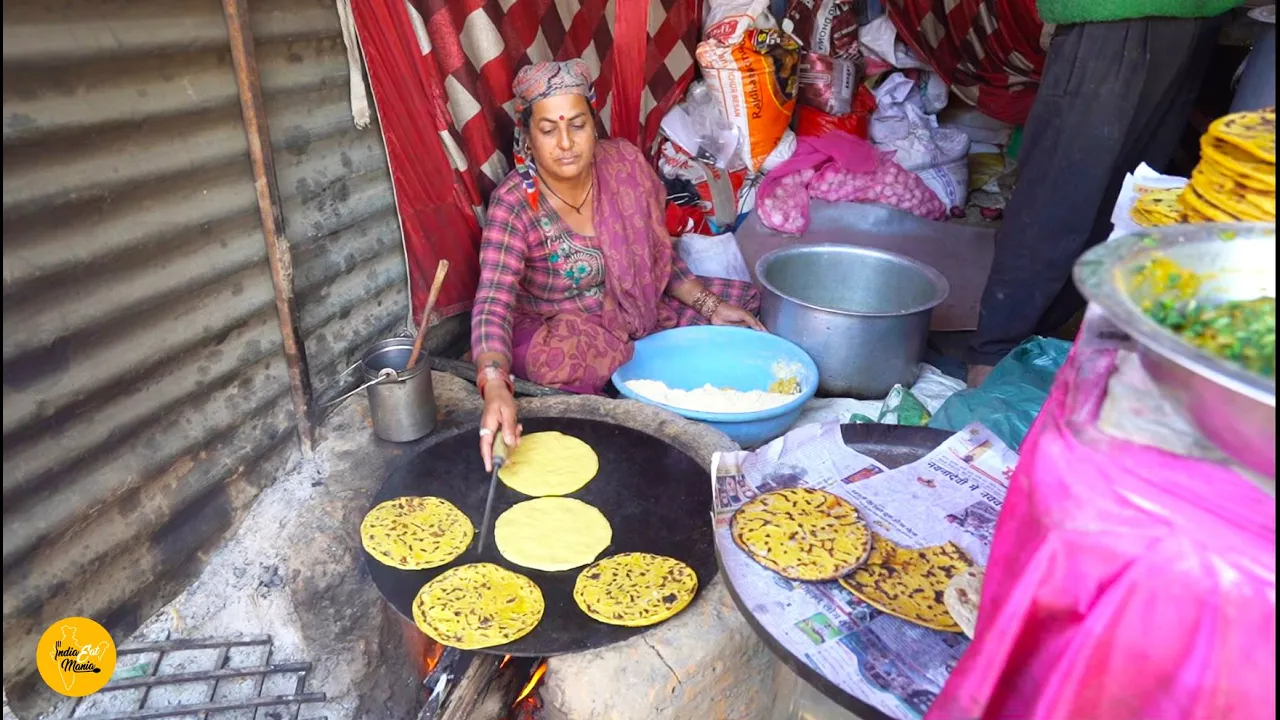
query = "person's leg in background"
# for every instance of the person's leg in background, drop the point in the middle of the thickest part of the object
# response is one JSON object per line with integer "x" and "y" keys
{"x": 1108, "y": 96}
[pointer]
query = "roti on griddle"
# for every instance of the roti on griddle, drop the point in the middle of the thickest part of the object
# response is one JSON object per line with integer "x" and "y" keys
{"x": 415, "y": 533}
{"x": 552, "y": 534}
{"x": 802, "y": 534}
{"x": 635, "y": 589}
{"x": 549, "y": 463}
{"x": 478, "y": 606}
{"x": 909, "y": 582}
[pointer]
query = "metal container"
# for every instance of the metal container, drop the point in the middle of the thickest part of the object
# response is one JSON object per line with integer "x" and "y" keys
{"x": 402, "y": 403}
{"x": 861, "y": 314}
{"x": 1232, "y": 407}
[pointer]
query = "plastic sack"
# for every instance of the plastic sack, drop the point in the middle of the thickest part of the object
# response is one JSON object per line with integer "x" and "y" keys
{"x": 815, "y": 123}
{"x": 715, "y": 256}
{"x": 726, "y": 21}
{"x": 827, "y": 27}
{"x": 1011, "y": 396}
{"x": 827, "y": 83}
{"x": 755, "y": 82}
{"x": 938, "y": 155}
{"x": 1124, "y": 581}
{"x": 882, "y": 51}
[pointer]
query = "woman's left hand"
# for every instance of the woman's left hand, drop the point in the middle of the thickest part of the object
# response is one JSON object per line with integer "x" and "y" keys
{"x": 728, "y": 314}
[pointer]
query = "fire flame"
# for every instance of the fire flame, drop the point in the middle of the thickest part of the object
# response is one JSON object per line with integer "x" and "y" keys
{"x": 431, "y": 656}
{"x": 533, "y": 682}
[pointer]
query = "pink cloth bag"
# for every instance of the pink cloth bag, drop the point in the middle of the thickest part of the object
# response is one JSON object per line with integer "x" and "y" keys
{"x": 1125, "y": 582}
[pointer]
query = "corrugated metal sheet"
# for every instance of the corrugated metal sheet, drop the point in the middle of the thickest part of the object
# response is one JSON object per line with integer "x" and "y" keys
{"x": 145, "y": 393}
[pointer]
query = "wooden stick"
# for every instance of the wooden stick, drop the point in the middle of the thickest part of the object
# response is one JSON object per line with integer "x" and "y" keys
{"x": 441, "y": 269}
{"x": 279, "y": 258}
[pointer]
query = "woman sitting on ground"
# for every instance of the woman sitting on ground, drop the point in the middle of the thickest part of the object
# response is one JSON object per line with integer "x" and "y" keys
{"x": 575, "y": 262}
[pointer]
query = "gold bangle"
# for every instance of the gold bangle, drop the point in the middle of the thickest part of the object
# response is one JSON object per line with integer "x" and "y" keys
{"x": 706, "y": 303}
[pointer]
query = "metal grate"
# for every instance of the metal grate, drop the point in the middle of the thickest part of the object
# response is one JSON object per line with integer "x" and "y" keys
{"x": 160, "y": 689}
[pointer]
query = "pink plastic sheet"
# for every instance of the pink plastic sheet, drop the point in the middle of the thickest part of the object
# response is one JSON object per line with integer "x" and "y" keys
{"x": 1125, "y": 582}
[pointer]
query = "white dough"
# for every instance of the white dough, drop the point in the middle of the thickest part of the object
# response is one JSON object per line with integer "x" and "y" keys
{"x": 708, "y": 398}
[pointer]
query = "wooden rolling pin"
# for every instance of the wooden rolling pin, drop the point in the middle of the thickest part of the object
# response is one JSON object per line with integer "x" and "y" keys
{"x": 441, "y": 270}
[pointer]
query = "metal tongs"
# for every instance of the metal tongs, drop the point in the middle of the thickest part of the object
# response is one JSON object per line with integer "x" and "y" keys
{"x": 499, "y": 459}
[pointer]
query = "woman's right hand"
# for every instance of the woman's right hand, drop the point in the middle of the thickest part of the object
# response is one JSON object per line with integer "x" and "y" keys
{"x": 499, "y": 416}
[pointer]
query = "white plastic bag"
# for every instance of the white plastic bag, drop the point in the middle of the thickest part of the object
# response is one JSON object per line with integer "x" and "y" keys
{"x": 699, "y": 127}
{"x": 878, "y": 40}
{"x": 725, "y": 21}
{"x": 714, "y": 256}
{"x": 938, "y": 155}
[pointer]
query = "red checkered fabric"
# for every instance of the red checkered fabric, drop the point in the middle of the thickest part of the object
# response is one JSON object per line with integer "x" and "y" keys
{"x": 470, "y": 50}
{"x": 991, "y": 52}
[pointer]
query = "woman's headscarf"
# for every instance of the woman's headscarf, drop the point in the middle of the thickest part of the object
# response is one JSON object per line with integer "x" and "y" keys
{"x": 538, "y": 82}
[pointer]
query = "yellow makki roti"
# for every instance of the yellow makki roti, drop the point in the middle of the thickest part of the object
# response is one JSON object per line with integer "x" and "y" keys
{"x": 552, "y": 534}
{"x": 1157, "y": 207}
{"x": 1235, "y": 180}
{"x": 635, "y": 589}
{"x": 415, "y": 533}
{"x": 549, "y": 463}
{"x": 478, "y": 606}
{"x": 802, "y": 534}
{"x": 909, "y": 583}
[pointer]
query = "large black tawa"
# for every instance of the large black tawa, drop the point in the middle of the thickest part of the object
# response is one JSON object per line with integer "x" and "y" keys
{"x": 657, "y": 499}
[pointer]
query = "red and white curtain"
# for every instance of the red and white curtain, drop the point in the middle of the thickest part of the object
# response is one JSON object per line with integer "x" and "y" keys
{"x": 441, "y": 73}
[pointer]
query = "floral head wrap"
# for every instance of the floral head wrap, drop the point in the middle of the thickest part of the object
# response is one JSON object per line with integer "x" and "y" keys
{"x": 548, "y": 79}
{"x": 538, "y": 82}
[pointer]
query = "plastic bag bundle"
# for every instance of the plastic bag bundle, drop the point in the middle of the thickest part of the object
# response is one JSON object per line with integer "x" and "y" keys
{"x": 1124, "y": 582}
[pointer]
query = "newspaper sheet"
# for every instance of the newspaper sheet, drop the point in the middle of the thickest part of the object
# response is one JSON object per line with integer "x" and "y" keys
{"x": 953, "y": 494}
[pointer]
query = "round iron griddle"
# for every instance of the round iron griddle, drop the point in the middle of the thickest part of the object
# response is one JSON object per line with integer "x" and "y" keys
{"x": 657, "y": 499}
{"x": 892, "y": 446}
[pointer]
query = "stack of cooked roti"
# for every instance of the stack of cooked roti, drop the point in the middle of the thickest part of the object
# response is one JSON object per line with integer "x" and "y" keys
{"x": 813, "y": 535}
{"x": 1156, "y": 208}
{"x": 1235, "y": 180}
{"x": 480, "y": 605}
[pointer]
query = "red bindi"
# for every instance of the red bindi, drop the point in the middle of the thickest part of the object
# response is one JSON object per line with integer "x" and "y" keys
{"x": 561, "y": 118}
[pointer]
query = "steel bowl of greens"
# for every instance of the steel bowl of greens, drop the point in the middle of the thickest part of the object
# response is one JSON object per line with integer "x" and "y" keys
{"x": 1199, "y": 303}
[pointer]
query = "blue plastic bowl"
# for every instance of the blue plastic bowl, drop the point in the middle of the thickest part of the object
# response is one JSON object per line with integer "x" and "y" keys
{"x": 690, "y": 357}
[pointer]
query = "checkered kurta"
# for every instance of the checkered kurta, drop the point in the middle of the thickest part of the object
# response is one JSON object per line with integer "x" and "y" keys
{"x": 473, "y": 48}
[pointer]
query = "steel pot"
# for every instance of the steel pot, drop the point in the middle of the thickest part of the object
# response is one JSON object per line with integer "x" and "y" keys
{"x": 861, "y": 314}
{"x": 1230, "y": 406}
